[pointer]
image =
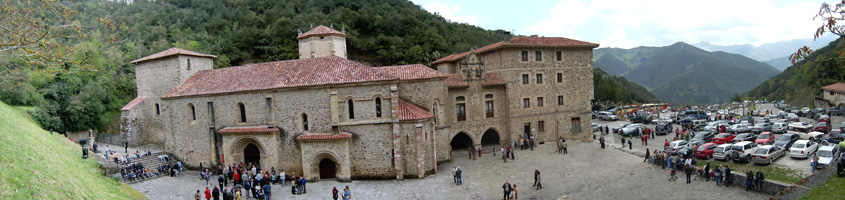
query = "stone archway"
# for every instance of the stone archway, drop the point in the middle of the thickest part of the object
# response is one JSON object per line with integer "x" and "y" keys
{"x": 328, "y": 168}
{"x": 252, "y": 154}
{"x": 491, "y": 137}
{"x": 325, "y": 165}
{"x": 248, "y": 149}
{"x": 461, "y": 141}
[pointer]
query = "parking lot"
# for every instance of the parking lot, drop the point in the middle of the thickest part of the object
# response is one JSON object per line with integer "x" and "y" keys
{"x": 802, "y": 165}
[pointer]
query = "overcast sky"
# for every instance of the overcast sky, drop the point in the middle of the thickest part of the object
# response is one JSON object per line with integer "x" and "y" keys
{"x": 631, "y": 23}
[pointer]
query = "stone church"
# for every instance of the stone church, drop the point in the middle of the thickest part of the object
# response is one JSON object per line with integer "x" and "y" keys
{"x": 325, "y": 116}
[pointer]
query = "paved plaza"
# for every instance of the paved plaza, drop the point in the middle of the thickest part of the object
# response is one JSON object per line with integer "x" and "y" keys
{"x": 587, "y": 172}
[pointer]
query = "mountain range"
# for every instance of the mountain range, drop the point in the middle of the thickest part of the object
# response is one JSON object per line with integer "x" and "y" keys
{"x": 683, "y": 73}
{"x": 775, "y": 54}
{"x": 800, "y": 83}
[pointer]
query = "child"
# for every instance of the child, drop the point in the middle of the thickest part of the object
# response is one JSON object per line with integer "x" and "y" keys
{"x": 672, "y": 176}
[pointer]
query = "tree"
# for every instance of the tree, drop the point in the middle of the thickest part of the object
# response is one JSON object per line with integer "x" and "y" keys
{"x": 43, "y": 33}
{"x": 833, "y": 16}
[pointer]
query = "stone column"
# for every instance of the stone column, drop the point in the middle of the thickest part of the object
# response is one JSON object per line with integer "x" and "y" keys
{"x": 419, "y": 140}
{"x": 433, "y": 147}
{"x": 398, "y": 164}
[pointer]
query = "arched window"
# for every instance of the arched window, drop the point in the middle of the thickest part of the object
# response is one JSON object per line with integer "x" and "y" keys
{"x": 378, "y": 106}
{"x": 189, "y": 64}
{"x": 242, "y": 108}
{"x": 193, "y": 111}
{"x": 434, "y": 112}
{"x": 304, "y": 122}
{"x": 460, "y": 98}
{"x": 351, "y": 107}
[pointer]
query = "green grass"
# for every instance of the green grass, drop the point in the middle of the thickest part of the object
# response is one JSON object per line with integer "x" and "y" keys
{"x": 833, "y": 188}
{"x": 37, "y": 165}
{"x": 772, "y": 172}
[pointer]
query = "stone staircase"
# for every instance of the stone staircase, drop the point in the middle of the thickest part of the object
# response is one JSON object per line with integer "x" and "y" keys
{"x": 149, "y": 161}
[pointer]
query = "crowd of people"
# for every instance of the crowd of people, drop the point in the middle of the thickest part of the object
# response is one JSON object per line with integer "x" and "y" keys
{"x": 251, "y": 181}
{"x": 721, "y": 174}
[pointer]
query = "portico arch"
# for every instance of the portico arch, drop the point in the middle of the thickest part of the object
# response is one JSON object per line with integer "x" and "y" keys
{"x": 248, "y": 149}
{"x": 325, "y": 165}
{"x": 491, "y": 137}
{"x": 461, "y": 141}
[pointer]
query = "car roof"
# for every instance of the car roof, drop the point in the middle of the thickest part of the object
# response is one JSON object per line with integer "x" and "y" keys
{"x": 677, "y": 141}
{"x": 766, "y": 146}
{"x": 725, "y": 145}
{"x": 826, "y": 148}
{"x": 743, "y": 143}
{"x": 802, "y": 141}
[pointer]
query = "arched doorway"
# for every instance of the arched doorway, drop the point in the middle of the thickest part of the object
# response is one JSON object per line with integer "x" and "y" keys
{"x": 461, "y": 141}
{"x": 490, "y": 137}
{"x": 252, "y": 154}
{"x": 328, "y": 168}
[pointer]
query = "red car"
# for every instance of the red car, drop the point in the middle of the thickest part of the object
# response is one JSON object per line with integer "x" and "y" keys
{"x": 705, "y": 151}
{"x": 724, "y": 137}
{"x": 765, "y": 138}
{"x": 823, "y": 127}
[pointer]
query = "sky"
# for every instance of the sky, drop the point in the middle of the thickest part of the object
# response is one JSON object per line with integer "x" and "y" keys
{"x": 632, "y": 23}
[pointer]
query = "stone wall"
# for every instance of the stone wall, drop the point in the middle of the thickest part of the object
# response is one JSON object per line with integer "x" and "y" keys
{"x": 769, "y": 187}
{"x": 835, "y": 98}
{"x": 322, "y": 46}
{"x": 336, "y": 150}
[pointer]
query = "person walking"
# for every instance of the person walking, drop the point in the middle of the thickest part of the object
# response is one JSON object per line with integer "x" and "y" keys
{"x": 539, "y": 182}
{"x": 458, "y": 174}
{"x": 536, "y": 175}
{"x": 266, "y": 190}
{"x": 749, "y": 178}
{"x": 504, "y": 155}
{"x": 630, "y": 145}
{"x": 759, "y": 179}
{"x": 646, "y": 140}
{"x": 207, "y": 193}
{"x": 215, "y": 193}
{"x": 221, "y": 180}
{"x": 506, "y": 188}
{"x": 647, "y": 153}
{"x": 334, "y": 193}
{"x": 601, "y": 142}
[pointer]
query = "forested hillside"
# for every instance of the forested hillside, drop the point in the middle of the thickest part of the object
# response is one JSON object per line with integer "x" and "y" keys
{"x": 618, "y": 89}
{"x": 71, "y": 98}
{"x": 802, "y": 81}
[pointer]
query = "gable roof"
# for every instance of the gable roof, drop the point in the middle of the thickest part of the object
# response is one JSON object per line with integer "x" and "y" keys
{"x": 171, "y": 52}
{"x": 410, "y": 72}
{"x": 133, "y": 103}
{"x": 491, "y": 78}
{"x": 409, "y": 112}
{"x": 331, "y": 70}
{"x": 455, "y": 80}
{"x": 319, "y": 31}
{"x": 840, "y": 87}
{"x": 521, "y": 41}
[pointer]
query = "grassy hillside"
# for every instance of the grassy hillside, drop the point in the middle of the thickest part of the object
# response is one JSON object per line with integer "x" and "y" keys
{"x": 799, "y": 83}
{"x": 619, "y": 89}
{"x": 37, "y": 165}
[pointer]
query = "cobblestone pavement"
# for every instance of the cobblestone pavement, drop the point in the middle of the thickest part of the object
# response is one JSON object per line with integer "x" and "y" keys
{"x": 587, "y": 172}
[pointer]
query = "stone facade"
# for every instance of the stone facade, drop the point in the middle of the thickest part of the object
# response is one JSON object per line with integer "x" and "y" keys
{"x": 390, "y": 122}
{"x": 832, "y": 96}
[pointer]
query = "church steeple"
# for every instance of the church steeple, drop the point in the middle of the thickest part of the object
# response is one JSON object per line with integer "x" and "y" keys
{"x": 322, "y": 41}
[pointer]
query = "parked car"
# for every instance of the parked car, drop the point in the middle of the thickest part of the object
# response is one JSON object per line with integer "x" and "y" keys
{"x": 641, "y": 119}
{"x": 834, "y": 111}
{"x": 785, "y": 141}
{"x": 740, "y": 128}
{"x": 663, "y": 129}
{"x": 804, "y": 111}
{"x": 716, "y": 126}
{"x": 663, "y": 120}
{"x": 722, "y": 152}
{"x": 792, "y": 117}
{"x": 823, "y": 127}
{"x": 705, "y": 151}
{"x": 619, "y": 128}
{"x": 748, "y": 119}
{"x": 698, "y": 124}
{"x": 633, "y": 130}
{"x": 760, "y": 120}
{"x": 676, "y": 145}
{"x": 823, "y": 118}
{"x": 607, "y": 116}
{"x": 836, "y": 136}
{"x": 765, "y": 138}
{"x": 827, "y": 154}
{"x": 742, "y": 151}
{"x": 779, "y": 128}
{"x": 593, "y": 115}
{"x": 685, "y": 152}
{"x": 803, "y": 148}
{"x": 596, "y": 127}
{"x": 761, "y": 127}
{"x": 705, "y": 136}
{"x": 767, "y": 154}
{"x": 745, "y": 137}
{"x": 723, "y": 138}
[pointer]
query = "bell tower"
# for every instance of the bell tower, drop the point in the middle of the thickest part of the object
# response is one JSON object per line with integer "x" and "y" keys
{"x": 322, "y": 41}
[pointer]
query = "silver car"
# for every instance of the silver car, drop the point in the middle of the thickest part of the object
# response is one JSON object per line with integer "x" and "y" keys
{"x": 767, "y": 154}
{"x": 722, "y": 152}
{"x": 827, "y": 154}
{"x": 676, "y": 145}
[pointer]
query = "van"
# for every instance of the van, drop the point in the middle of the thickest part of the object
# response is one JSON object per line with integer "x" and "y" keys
{"x": 698, "y": 124}
{"x": 607, "y": 116}
{"x": 779, "y": 128}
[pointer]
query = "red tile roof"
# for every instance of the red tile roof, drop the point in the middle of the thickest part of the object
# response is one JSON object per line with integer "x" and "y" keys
{"x": 249, "y": 129}
{"x": 455, "y": 80}
{"x": 172, "y": 52}
{"x": 331, "y": 70}
{"x": 521, "y": 41}
{"x": 324, "y": 136}
{"x": 835, "y": 87}
{"x": 409, "y": 112}
{"x": 133, "y": 103}
{"x": 493, "y": 79}
{"x": 410, "y": 72}
{"x": 320, "y": 31}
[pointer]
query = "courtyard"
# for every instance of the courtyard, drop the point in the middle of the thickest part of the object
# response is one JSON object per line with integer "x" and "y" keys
{"x": 587, "y": 172}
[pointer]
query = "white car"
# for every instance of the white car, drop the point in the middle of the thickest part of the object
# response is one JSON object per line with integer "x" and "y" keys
{"x": 596, "y": 127}
{"x": 607, "y": 116}
{"x": 779, "y": 128}
{"x": 740, "y": 128}
{"x": 827, "y": 154}
{"x": 742, "y": 150}
{"x": 676, "y": 145}
{"x": 766, "y": 154}
{"x": 803, "y": 148}
{"x": 662, "y": 120}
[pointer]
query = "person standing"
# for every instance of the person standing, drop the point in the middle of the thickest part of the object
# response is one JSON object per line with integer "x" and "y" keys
{"x": 536, "y": 175}
{"x": 347, "y": 195}
{"x": 718, "y": 174}
{"x": 630, "y": 145}
{"x": 458, "y": 174}
{"x": 646, "y": 155}
{"x": 304, "y": 181}
{"x": 749, "y": 178}
{"x": 282, "y": 177}
{"x": 539, "y": 182}
{"x": 688, "y": 172}
{"x": 515, "y": 192}
{"x": 511, "y": 152}
{"x": 760, "y": 179}
{"x": 646, "y": 140}
{"x": 334, "y": 193}
{"x": 266, "y": 190}
{"x": 706, "y": 172}
{"x": 479, "y": 151}
{"x": 601, "y": 142}
{"x": 207, "y": 193}
{"x": 221, "y": 180}
{"x": 623, "y": 143}
{"x": 564, "y": 147}
{"x": 215, "y": 193}
{"x": 455, "y": 174}
{"x": 504, "y": 155}
{"x": 471, "y": 151}
{"x": 125, "y": 146}
{"x": 197, "y": 195}
{"x": 815, "y": 162}
{"x": 727, "y": 176}
{"x": 507, "y": 189}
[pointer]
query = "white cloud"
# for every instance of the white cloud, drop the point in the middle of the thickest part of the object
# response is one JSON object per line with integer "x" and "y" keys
{"x": 662, "y": 22}
{"x": 450, "y": 13}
